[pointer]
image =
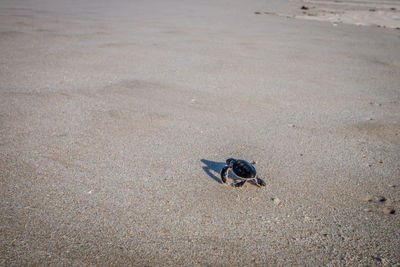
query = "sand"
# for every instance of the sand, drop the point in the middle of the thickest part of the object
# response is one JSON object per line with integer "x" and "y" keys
{"x": 116, "y": 118}
{"x": 384, "y": 14}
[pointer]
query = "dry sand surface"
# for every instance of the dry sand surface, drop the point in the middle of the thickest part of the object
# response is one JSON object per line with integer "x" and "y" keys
{"x": 116, "y": 118}
{"x": 359, "y": 12}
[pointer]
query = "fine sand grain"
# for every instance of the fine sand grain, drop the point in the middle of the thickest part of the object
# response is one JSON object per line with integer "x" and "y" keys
{"x": 116, "y": 118}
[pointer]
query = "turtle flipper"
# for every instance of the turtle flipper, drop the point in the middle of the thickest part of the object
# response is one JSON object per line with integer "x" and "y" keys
{"x": 239, "y": 184}
{"x": 260, "y": 181}
{"x": 224, "y": 173}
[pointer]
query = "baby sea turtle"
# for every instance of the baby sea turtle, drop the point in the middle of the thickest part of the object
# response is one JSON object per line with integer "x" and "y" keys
{"x": 243, "y": 170}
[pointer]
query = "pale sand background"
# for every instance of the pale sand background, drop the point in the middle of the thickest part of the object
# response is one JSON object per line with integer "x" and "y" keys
{"x": 116, "y": 118}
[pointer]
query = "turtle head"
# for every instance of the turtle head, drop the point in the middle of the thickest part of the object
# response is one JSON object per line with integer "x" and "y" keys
{"x": 230, "y": 161}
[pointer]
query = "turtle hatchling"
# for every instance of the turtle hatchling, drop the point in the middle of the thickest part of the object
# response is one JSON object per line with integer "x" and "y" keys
{"x": 243, "y": 170}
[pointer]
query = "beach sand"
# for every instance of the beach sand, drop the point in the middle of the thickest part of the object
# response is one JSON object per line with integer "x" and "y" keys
{"x": 116, "y": 118}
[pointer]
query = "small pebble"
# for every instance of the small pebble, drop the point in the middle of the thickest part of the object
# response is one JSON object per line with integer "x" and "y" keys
{"x": 381, "y": 199}
{"x": 372, "y": 198}
{"x": 367, "y": 197}
{"x": 389, "y": 210}
{"x": 276, "y": 200}
{"x": 377, "y": 258}
{"x": 375, "y": 104}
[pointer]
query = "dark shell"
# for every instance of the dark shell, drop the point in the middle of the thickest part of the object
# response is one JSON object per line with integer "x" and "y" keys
{"x": 243, "y": 169}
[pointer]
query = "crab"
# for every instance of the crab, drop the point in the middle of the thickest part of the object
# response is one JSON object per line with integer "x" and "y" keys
{"x": 243, "y": 170}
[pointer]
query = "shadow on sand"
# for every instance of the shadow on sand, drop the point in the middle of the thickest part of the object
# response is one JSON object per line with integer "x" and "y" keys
{"x": 213, "y": 168}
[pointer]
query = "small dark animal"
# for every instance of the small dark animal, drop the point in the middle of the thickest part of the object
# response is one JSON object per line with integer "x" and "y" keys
{"x": 243, "y": 170}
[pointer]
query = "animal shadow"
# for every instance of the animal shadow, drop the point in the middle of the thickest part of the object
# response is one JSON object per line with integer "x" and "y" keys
{"x": 212, "y": 167}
